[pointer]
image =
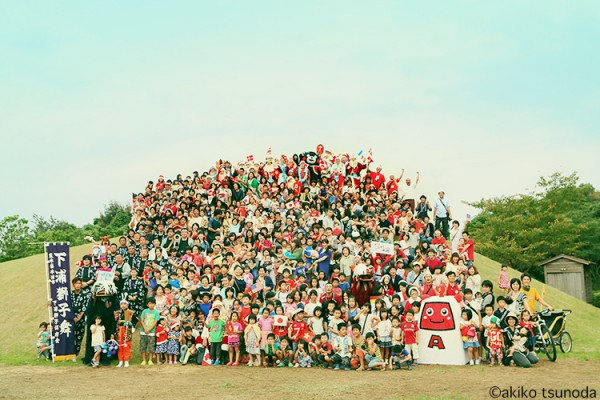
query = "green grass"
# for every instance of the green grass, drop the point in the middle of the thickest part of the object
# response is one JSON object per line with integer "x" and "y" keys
{"x": 23, "y": 307}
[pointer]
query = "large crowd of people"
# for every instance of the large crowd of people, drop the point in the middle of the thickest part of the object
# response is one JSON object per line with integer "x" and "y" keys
{"x": 271, "y": 264}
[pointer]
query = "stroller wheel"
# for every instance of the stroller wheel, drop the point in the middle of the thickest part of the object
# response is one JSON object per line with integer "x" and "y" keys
{"x": 566, "y": 342}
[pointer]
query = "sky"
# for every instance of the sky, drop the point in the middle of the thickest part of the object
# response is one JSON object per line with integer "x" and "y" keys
{"x": 97, "y": 98}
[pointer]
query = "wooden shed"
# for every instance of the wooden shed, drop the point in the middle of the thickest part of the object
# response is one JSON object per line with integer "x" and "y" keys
{"x": 570, "y": 274}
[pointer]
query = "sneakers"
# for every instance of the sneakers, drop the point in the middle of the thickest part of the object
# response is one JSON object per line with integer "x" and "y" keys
{"x": 280, "y": 365}
{"x": 217, "y": 362}
{"x": 257, "y": 363}
{"x": 126, "y": 364}
{"x": 290, "y": 365}
{"x": 150, "y": 362}
{"x": 95, "y": 364}
{"x": 144, "y": 363}
{"x": 337, "y": 367}
{"x": 296, "y": 365}
{"x": 120, "y": 364}
{"x": 471, "y": 362}
{"x": 477, "y": 362}
{"x": 491, "y": 363}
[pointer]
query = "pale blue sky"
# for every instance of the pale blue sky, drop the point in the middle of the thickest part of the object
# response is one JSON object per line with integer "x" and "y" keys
{"x": 96, "y": 98}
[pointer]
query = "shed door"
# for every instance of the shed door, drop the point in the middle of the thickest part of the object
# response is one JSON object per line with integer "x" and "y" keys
{"x": 569, "y": 282}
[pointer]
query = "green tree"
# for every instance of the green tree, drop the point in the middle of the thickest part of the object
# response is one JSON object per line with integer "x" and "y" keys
{"x": 54, "y": 230}
{"x": 562, "y": 216}
{"x": 15, "y": 236}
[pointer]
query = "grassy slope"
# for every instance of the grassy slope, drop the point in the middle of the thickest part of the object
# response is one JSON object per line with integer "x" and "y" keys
{"x": 23, "y": 307}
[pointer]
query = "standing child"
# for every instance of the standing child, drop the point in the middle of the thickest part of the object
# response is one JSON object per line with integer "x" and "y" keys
{"x": 503, "y": 282}
{"x": 384, "y": 332}
{"x": 44, "y": 342}
{"x": 495, "y": 341}
{"x": 162, "y": 339}
{"x": 173, "y": 343}
{"x": 410, "y": 330}
{"x": 148, "y": 320}
{"x": 217, "y": 331}
{"x": 124, "y": 334}
{"x": 252, "y": 341}
{"x": 98, "y": 340}
{"x": 234, "y": 329}
{"x": 396, "y": 332}
{"x": 265, "y": 322}
{"x": 373, "y": 354}
{"x": 298, "y": 328}
{"x": 468, "y": 330}
{"x": 316, "y": 321}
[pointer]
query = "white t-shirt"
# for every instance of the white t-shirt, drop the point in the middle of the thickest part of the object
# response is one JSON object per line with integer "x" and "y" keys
{"x": 98, "y": 336}
{"x": 408, "y": 191}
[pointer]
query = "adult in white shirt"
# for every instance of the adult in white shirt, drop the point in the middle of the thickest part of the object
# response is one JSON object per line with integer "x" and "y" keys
{"x": 455, "y": 235}
{"x": 407, "y": 192}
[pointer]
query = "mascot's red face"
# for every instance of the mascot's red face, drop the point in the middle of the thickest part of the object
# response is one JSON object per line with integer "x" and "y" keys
{"x": 437, "y": 316}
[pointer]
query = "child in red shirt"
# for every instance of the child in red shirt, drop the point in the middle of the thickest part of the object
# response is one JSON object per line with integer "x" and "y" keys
{"x": 495, "y": 341}
{"x": 409, "y": 335}
{"x": 162, "y": 337}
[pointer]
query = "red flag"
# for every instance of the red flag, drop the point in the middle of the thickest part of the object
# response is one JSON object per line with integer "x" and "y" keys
{"x": 250, "y": 158}
{"x": 307, "y": 336}
{"x": 320, "y": 149}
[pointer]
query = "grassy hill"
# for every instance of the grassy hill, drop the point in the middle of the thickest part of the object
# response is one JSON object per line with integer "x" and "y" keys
{"x": 23, "y": 307}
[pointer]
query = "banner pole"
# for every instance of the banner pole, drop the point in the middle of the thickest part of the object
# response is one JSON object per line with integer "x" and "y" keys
{"x": 49, "y": 299}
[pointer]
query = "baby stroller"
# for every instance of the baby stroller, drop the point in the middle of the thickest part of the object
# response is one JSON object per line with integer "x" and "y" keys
{"x": 556, "y": 321}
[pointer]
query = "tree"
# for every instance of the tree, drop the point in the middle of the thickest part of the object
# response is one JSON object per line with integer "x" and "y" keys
{"x": 525, "y": 229}
{"x": 53, "y": 230}
{"x": 15, "y": 236}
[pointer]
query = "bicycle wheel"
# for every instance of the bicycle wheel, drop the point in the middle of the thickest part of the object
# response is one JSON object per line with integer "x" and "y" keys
{"x": 566, "y": 342}
{"x": 548, "y": 344}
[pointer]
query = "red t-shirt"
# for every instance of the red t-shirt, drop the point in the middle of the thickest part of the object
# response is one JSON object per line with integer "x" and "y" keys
{"x": 437, "y": 241}
{"x": 433, "y": 263}
{"x": 299, "y": 328}
{"x": 377, "y": 179}
{"x": 161, "y": 334}
{"x": 471, "y": 249}
{"x": 410, "y": 330}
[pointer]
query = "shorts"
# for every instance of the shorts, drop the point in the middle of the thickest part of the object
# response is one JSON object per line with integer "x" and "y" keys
{"x": 98, "y": 348}
{"x": 414, "y": 348}
{"x": 147, "y": 344}
{"x": 233, "y": 341}
{"x": 474, "y": 345}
